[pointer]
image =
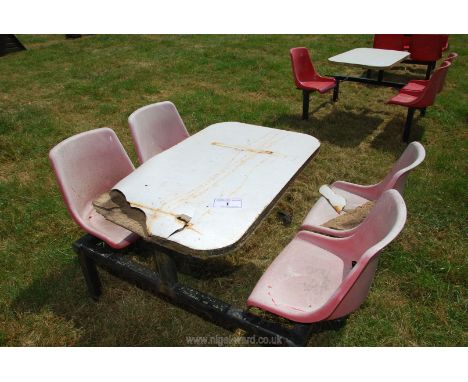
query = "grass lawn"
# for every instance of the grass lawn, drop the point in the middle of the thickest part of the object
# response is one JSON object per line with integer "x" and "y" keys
{"x": 60, "y": 87}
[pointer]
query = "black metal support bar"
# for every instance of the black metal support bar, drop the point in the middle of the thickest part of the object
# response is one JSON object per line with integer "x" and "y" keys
{"x": 305, "y": 104}
{"x": 423, "y": 112}
{"x": 370, "y": 81}
{"x": 407, "y": 128}
{"x": 336, "y": 90}
{"x": 368, "y": 73}
{"x": 91, "y": 253}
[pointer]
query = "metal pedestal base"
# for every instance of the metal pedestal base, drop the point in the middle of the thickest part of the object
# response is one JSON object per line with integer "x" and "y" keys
{"x": 93, "y": 252}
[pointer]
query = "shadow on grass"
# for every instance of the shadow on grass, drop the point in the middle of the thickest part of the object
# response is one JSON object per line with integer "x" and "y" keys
{"x": 138, "y": 318}
{"x": 342, "y": 128}
{"x": 390, "y": 139}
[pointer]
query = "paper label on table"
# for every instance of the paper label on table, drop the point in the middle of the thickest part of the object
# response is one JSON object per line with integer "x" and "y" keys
{"x": 227, "y": 203}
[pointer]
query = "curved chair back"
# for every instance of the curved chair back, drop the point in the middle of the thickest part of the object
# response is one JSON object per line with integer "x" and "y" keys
{"x": 426, "y": 47}
{"x": 86, "y": 165}
{"x": 434, "y": 86}
{"x": 443, "y": 68}
{"x": 389, "y": 41}
{"x": 156, "y": 128}
{"x": 444, "y": 41}
{"x": 302, "y": 66}
{"x": 452, "y": 57}
{"x": 412, "y": 157}
{"x": 380, "y": 228}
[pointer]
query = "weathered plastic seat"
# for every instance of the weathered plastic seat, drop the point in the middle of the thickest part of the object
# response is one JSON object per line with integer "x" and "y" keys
{"x": 87, "y": 165}
{"x": 156, "y": 128}
{"x": 306, "y": 77}
{"x": 317, "y": 278}
{"x": 389, "y": 41}
{"x": 357, "y": 195}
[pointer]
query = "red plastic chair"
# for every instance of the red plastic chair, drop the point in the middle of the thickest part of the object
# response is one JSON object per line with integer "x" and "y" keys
{"x": 444, "y": 41}
{"x": 422, "y": 99}
{"x": 389, "y": 41}
{"x": 87, "y": 165}
{"x": 156, "y": 128}
{"x": 417, "y": 86}
{"x": 307, "y": 79}
{"x": 406, "y": 41}
{"x": 317, "y": 278}
{"x": 426, "y": 49}
{"x": 356, "y": 195}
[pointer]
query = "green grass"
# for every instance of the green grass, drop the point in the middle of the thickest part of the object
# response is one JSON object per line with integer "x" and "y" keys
{"x": 60, "y": 87}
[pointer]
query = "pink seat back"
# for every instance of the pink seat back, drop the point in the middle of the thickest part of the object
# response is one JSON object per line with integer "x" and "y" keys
{"x": 302, "y": 66}
{"x": 426, "y": 47}
{"x": 86, "y": 165}
{"x": 389, "y": 41}
{"x": 412, "y": 157}
{"x": 156, "y": 128}
{"x": 380, "y": 228}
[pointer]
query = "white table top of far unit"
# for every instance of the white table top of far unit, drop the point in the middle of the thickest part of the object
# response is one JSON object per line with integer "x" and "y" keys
{"x": 221, "y": 181}
{"x": 370, "y": 58}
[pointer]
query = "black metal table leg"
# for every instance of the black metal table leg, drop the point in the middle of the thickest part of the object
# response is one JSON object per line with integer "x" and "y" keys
{"x": 380, "y": 77}
{"x": 305, "y": 104}
{"x": 407, "y": 128}
{"x": 166, "y": 268}
{"x": 430, "y": 68}
{"x": 336, "y": 91}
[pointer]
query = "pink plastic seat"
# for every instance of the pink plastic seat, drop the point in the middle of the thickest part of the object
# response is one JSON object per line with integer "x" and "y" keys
{"x": 306, "y": 77}
{"x": 87, "y": 165}
{"x": 317, "y": 278}
{"x": 156, "y": 128}
{"x": 357, "y": 195}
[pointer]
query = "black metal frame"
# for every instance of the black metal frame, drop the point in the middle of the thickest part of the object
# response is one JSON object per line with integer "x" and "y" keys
{"x": 306, "y": 100}
{"x": 430, "y": 66}
{"x": 93, "y": 253}
{"x": 409, "y": 121}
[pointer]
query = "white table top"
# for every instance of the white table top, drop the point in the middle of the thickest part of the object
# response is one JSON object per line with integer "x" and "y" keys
{"x": 221, "y": 181}
{"x": 370, "y": 58}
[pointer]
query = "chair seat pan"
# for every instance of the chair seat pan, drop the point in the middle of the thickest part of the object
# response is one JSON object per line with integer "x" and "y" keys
{"x": 403, "y": 99}
{"x": 322, "y": 211}
{"x": 412, "y": 87}
{"x": 299, "y": 281}
{"x": 321, "y": 85}
{"x": 113, "y": 234}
